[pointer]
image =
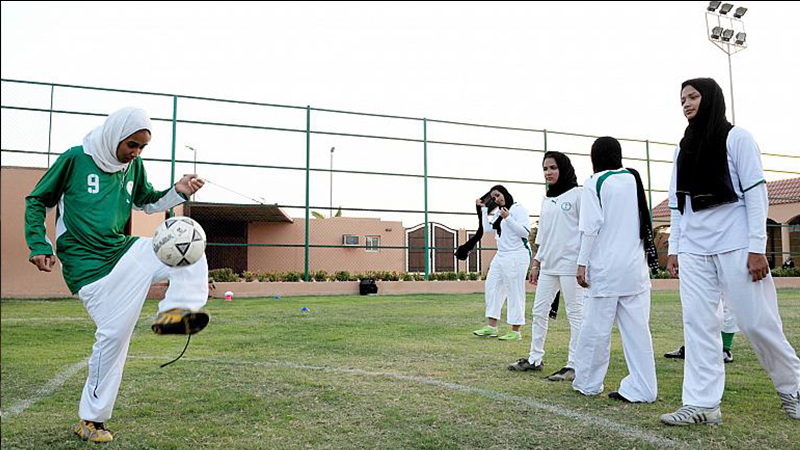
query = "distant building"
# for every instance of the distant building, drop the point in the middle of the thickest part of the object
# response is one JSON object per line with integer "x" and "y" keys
{"x": 783, "y": 222}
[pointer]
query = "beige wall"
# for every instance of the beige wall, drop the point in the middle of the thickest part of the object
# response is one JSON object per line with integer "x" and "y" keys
{"x": 20, "y": 279}
{"x": 327, "y": 232}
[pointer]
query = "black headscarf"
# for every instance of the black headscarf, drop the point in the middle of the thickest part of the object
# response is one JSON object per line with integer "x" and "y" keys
{"x": 462, "y": 252}
{"x": 509, "y": 201}
{"x": 703, "y": 172}
{"x": 566, "y": 174}
{"x": 607, "y": 155}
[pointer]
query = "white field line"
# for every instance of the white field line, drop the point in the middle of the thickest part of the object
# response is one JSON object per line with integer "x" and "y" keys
{"x": 579, "y": 417}
{"x": 46, "y": 319}
{"x": 49, "y": 388}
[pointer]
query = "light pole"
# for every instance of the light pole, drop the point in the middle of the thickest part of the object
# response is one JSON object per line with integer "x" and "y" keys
{"x": 331, "y": 201}
{"x": 723, "y": 28}
{"x": 194, "y": 150}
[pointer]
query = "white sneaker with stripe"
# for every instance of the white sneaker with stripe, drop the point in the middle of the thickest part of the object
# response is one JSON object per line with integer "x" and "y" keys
{"x": 691, "y": 415}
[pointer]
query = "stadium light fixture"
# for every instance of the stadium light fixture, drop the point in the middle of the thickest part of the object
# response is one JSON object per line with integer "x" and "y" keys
{"x": 721, "y": 28}
{"x": 727, "y": 35}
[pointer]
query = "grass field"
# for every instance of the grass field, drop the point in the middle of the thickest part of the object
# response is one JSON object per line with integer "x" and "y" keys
{"x": 378, "y": 372}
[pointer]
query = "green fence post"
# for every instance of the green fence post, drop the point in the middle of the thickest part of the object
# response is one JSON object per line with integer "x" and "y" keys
{"x": 649, "y": 186}
{"x": 544, "y": 133}
{"x": 50, "y": 125}
{"x": 425, "y": 173}
{"x": 174, "y": 137}
{"x": 308, "y": 176}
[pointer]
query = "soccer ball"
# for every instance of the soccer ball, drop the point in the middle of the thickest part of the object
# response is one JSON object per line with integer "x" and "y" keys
{"x": 179, "y": 241}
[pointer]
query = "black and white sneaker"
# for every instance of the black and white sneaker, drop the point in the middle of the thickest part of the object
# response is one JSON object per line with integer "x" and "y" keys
{"x": 677, "y": 354}
{"x": 565, "y": 374}
{"x": 617, "y": 396}
{"x": 727, "y": 356}
{"x": 522, "y": 365}
{"x": 692, "y": 415}
{"x": 791, "y": 404}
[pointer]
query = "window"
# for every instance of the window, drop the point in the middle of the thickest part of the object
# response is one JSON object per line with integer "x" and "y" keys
{"x": 349, "y": 240}
{"x": 373, "y": 243}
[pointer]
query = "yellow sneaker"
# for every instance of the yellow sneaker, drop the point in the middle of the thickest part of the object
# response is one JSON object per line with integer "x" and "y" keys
{"x": 180, "y": 321}
{"x": 93, "y": 432}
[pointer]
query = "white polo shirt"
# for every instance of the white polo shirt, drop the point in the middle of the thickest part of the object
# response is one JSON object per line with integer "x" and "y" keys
{"x": 610, "y": 211}
{"x": 725, "y": 227}
{"x": 558, "y": 237}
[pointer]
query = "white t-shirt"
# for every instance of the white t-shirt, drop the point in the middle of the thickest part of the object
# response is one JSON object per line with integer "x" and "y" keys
{"x": 723, "y": 228}
{"x": 516, "y": 228}
{"x": 558, "y": 237}
{"x": 617, "y": 264}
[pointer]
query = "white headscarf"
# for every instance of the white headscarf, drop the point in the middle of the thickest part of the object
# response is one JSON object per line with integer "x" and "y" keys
{"x": 102, "y": 142}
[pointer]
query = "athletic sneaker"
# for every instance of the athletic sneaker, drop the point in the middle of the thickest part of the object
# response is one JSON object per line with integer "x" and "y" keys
{"x": 522, "y": 365}
{"x": 617, "y": 396}
{"x": 791, "y": 404}
{"x": 677, "y": 354}
{"x": 691, "y": 415}
{"x": 93, "y": 431}
{"x": 727, "y": 356}
{"x": 486, "y": 331}
{"x": 566, "y": 373}
{"x": 511, "y": 336}
{"x": 180, "y": 321}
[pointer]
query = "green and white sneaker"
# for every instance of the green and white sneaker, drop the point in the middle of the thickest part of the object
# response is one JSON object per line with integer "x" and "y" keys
{"x": 486, "y": 331}
{"x": 511, "y": 336}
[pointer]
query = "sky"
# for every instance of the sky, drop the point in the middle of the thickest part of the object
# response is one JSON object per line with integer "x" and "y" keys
{"x": 596, "y": 68}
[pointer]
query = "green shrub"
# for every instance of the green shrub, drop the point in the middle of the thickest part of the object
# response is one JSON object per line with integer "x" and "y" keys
{"x": 292, "y": 277}
{"x": 781, "y": 272}
{"x": 342, "y": 275}
{"x": 249, "y": 276}
{"x": 407, "y": 276}
{"x": 222, "y": 275}
{"x": 462, "y": 275}
{"x": 661, "y": 275}
{"x": 320, "y": 275}
{"x": 474, "y": 276}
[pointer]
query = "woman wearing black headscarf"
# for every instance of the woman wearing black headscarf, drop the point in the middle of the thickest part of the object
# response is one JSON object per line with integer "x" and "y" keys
{"x": 506, "y": 277}
{"x": 612, "y": 265}
{"x": 718, "y": 238}
{"x": 553, "y": 267}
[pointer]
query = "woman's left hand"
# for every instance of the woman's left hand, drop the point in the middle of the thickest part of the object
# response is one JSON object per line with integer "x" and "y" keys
{"x": 582, "y": 277}
{"x": 504, "y": 212}
{"x": 189, "y": 184}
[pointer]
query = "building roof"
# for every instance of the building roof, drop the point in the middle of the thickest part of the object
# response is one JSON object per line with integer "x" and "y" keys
{"x": 235, "y": 212}
{"x": 780, "y": 192}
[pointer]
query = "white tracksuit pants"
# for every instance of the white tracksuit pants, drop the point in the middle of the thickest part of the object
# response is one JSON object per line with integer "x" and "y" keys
{"x": 506, "y": 278}
{"x": 755, "y": 308}
{"x": 594, "y": 346}
{"x": 115, "y": 302}
{"x": 728, "y": 321}
{"x": 573, "y": 302}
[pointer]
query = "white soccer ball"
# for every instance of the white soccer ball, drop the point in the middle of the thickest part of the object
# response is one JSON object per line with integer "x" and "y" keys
{"x": 179, "y": 241}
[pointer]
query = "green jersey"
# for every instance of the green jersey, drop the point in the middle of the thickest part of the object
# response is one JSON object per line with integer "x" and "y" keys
{"x": 93, "y": 209}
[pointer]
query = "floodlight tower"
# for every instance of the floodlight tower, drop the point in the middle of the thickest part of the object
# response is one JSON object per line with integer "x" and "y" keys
{"x": 726, "y": 32}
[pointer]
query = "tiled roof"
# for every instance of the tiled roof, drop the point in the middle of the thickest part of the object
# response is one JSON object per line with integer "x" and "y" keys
{"x": 780, "y": 192}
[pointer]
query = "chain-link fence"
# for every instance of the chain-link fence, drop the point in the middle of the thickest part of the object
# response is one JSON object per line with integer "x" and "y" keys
{"x": 310, "y": 193}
